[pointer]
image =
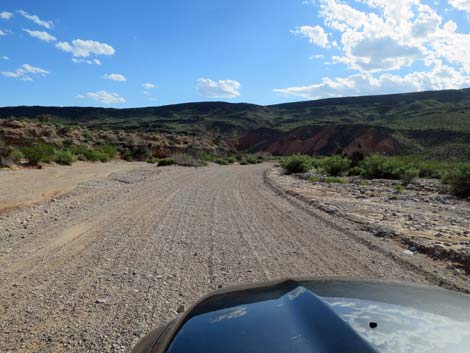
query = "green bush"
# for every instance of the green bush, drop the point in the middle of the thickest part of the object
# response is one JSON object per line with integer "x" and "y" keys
{"x": 355, "y": 171}
{"x": 335, "y": 165}
{"x": 231, "y": 159}
{"x": 408, "y": 174}
{"x": 296, "y": 164}
{"x": 39, "y": 152}
{"x": 459, "y": 180}
{"x": 16, "y": 156}
{"x": 96, "y": 155}
{"x": 165, "y": 162}
{"x": 152, "y": 161}
{"x": 380, "y": 167}
{"x": 109, "y": 150}
{"x": 65, "y": 157}
{"x": 251, "y": 160}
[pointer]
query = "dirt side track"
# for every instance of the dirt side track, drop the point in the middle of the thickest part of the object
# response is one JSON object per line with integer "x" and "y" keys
{"x": 97, "y": 268}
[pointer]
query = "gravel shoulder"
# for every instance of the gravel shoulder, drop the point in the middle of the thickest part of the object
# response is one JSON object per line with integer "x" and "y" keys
{"x": 96, "y": 268}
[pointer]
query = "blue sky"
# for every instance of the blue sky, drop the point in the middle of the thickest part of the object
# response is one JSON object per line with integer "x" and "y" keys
{"x": 129, "y": 54}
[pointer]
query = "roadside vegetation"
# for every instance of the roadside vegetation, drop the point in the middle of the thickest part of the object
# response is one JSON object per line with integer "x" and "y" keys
{"x": 338, "y": 169}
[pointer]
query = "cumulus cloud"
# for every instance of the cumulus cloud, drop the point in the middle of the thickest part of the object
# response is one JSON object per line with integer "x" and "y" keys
{"x": 463, "y": 5}
{"x": 316, "y": 35}
{"x": 220, "y": 89}
{"x": 46, "y": 37}
{"x": 115, "y": 77}
{"x": 5, "y": 15}
{"x": 148, "y": 85}
{"x": 26, "y": 73}
{"x": 441, "y": 77}
{"x": 84, "y": 48}
{"x": 103, "y": 97}
{"x": 378, "y": 37}
{"x": 37, "y": 20}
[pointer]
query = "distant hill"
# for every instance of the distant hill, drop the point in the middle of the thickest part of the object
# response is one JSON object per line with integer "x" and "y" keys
{"x": 436, "y": 123}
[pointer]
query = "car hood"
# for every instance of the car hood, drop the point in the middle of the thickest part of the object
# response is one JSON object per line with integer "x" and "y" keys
{"x": 323, "y": 316}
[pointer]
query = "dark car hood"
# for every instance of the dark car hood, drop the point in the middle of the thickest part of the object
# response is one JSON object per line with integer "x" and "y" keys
{"x": 323, "y": 316}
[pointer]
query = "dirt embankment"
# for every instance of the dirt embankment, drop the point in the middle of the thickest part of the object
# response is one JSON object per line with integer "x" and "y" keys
{"x": 97, "y": 268}
{"x": 16, "y": 133}
{"x": 349, "y": 140}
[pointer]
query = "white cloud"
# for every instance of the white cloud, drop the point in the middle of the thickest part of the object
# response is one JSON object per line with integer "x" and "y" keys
{"x": 89, "y": 62}
{"x": 40, "y": 35}
{"x": 26, "y": 73}
{"x": 463, "y": 5}
{"x": 37, "y": 20}
{"x": 441, "y": 77}
{"x": 2, "y": 33}
{"x": 84, "y": 48}
{"x": 147, "y": 93}
{"x": 5, "y": 57}
{"x": 148, "y": 85}
{"x": 316, "y": 35}
{"x": 103, "y": 97}
{"x": 115, "y": 77}
{"x": 219, "y": 89}
{"x": 5, "y": 15}
{"x": 379, "y": 36}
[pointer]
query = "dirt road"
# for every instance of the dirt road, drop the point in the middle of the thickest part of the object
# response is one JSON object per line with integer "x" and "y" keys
{"x": 95, "y": 269}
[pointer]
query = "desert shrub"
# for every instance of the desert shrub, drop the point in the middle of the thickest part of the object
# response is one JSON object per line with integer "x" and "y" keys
{"x": 459, "y": 180}
{"x": 39, "y": 152}
{"x": 152, "y": 160}
{"x": 296, "y": 164}
{"x": 408, "y": 173}
{"x": 109, "y": 150}
{"x": 380, "y": 167}
{"x": 243, "y": 162}
{"x": 355, "y": 171}
{"x": 231, "y": 159}
{"x": 251, "y": 160}
{"x": 16, "y": 156}
{"x": 314, "y": 179}
{"x": 205, "y": 156}
{"x": 93, "y": 155}
{"x": 127, "y": 155}
{"x": 65, "y": 157}
{"x": 166, "y": 161}
{"x": 335, "y": 165}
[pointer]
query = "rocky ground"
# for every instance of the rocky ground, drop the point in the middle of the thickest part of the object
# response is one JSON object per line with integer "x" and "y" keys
{"x": 423, "y": 215}
{"x": 95, "y": 269}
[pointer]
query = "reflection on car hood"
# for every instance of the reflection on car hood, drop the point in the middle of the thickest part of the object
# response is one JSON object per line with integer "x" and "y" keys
{"x": 317, "y": 317}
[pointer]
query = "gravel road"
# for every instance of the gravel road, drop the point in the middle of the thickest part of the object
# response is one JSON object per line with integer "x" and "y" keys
{"x": 95, "y": 269}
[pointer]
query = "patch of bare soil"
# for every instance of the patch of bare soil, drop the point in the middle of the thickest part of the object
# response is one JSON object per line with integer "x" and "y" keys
{"x": 25, "y": 187}
{"x": 422, "y": 215}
